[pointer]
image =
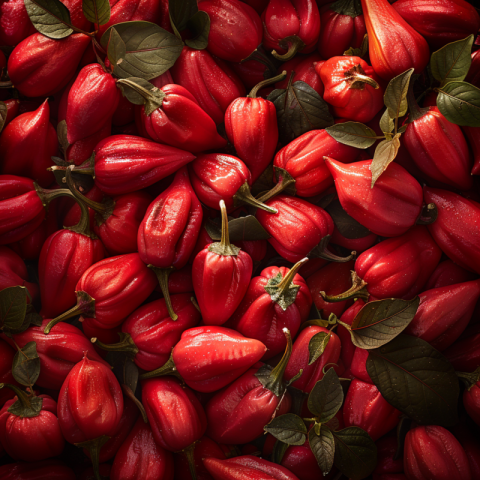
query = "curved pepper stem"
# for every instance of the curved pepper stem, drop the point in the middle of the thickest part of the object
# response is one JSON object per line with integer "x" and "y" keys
{"x": 357, "y": 78}
{"x": 47, "y": 196}
{"x": 191, "y": 460}
{"x": 25, "y": 405}
{"x": 126, "y": 344}
{"x": 162, "y": 277}
{"x": 264, "y": 83}
{"x": 357, "y": 290}
{"x": 294, "y": 45}
{"x": 86, "y": 168}
{"x": 94, "y": 446}
{"x": 224, "y": 248}
{"x": 245, "y": 197}
{"x": 168, "y": 369}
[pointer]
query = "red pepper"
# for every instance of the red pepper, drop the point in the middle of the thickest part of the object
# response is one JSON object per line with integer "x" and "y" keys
{"x": 28, "y": 434}
{"x": 440, "y": 22}
{"x": 12, "y": 106}
{"x": 471, "y": 401}
{"x": 252, "y": 72}
{"x": 305, "y": 70}
{"x": 358, "y": 245}
{"x": 220, "y": 274}
{"x": 27, "y": 144}
{"x": 448, "y": 273}
{"x": 471, "y": 446}
{"x": 209, "y": 80}
{"x": 124, "y": 114}
{"x": 359, "y": 365}
{"x": 433, "y": 452}
{"x": 235, "y": 29}
{"x": 303, "y": 160}
{"x": 141, "y": 457}
{"x": 300, "y": 460}
{"x": 15, "y": 24}
{"x": 366, "y": 408}
{"x": 388, "y": 209}
{"x": 291, "y": 26}
{"x": 277, "y": 299}
{"x": 181, "y": 122}
{"x": 40, "y": 66}
{"x": 44, "y": 470}
{"x": 69, "y": 211}
{"x": 394, "y": 46}
{"x": 348, "y": 348}
{"x": 473, "y": 75}
{"x": 399, "y": 267}
{"x": 6, "y": 360}
{"x": 464, "y": 354}
{"x": 457, "y": 228}
{"x": 351, "y": 87}
{"x": 472, "y": 134}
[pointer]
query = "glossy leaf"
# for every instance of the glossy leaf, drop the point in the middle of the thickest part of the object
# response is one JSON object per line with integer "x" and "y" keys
{"x": 32, "y": 317}
{"x": 354, "y": 134}
{"x": 32, "y": 409}
{"x": 326, "y": 397}
{"x": 13, "y": 307}
{"x": 96, "y": 11}
{"x": 317, "y": 345}
{"x": 459, "y": 103}
{"x": 116, "y": 49}
{"x": 26, "y": 365}
{"x": 181, "y": 11}
{"x": 416, "y": 379}
{"x": 387, "y": 122}
{"x": 323, "y": 447}
{"x": 200, "y": 25}
{"x": 346, "y": 225}
{"x": 395, "y": 96}
{"x": 288, "y": 428}
{"x": 50, "y": 17}
{"x": 140, "y": 92}
{"x": 384, "y": 155}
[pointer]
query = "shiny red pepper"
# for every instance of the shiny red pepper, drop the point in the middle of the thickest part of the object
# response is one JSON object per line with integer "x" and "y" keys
{"x": 15, "y": 24}
{"x": 301, "y": 461}
{"x": 448, "y": 273}
{"x": 388, "y": 209}
{"x": 44, "y": 470}
{"x": 348, "y": 348}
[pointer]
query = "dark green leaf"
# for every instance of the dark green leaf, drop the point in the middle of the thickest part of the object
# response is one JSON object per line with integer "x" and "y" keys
{"x": 326, "y": 397}
{"x": 459, "y": 102}
{"x": 151, "y": 50}
{"x": 32, "y": 316}
{"x": 116, "y": 49}
{"x": 354, "y": 134}
{"x": 200, "y": 25}
{"x": 264, "y": 182}
{"x": 288, "y": 428}
{"x": 26, "y": 365}
{"x": 140, "y": 92}
{"x": 317, "y": 345}
{"x": 13, "y": 307}
{"x": 384, "y": 155}
{"x": 299, "y": 109}
{"x": 278, "y": 452}
{"x": 50, "y": 17}
{"x": 416, "y": 379}
{"x": 3, "y": 114}
{"x": 32, "y": 409}
{"x": 323, "y": 447}
{"x": 387, "y": 123}
{"x": 355, "y": 453}
{"x": 181, "y": 11}
{"x": 346, "y": 225}
{"x": 96, "y": 11}
{"x": 396, "y": 94}
{"x": 452, "y": 62}
{"x": 352, "y": 8}
{"x": 379, "y": 322}
{"x": 246, "y": 228}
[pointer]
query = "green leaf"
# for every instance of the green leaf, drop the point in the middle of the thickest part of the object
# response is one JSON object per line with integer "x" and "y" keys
{"x": 354, "y": 134}
{"x": 50, "y": 17}
{"x": 395, "y": 96}
{"x": 452, "y": 62}
{"x": 326, "y": 397}
{"x": 346, "y": 225}
{"x": 181, "y": 11}
{"x": 278, "y": 452}
{"x": 379, "y": 322}
{"x": 3, "y": 114}
{"x": 387, "y": 123}
{"x": 352, "y": 8}
{"x": 13, "y": 307}
{"x": 96, "y": 11}
{"x": 384, "y": 155}
{"x": 116, "y": 49}
{"x": 416, "y": 379}
{"x": 299, "y": 109}
{"x": 459, "y": 103}
{"x": 30, "y": 410}
{"x": 246, "y": 228}
{"x": 200, "y": 25}
{"x": 264, "y": 182}
{"x": 150, "y": 50}
{"x": 288, "y": 428}
{"x": 355, "y": 453}
{"x": 140, "y": 92}
{"x": 26, "y": 365}
{"x": 323, "y": 447}
{"x": 317, "y": 346}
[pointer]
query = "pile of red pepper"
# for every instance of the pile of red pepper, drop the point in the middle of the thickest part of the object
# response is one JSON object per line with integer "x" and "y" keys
{"x": 197, "y": 283}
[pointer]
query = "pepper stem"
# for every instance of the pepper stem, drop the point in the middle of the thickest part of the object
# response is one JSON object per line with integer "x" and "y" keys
{"x": 357, "y": 290}
{"x": 162, "y": 277}
{"x": 288, "y": 279}
{"x": 264, "y": 83}
{"x": 168, "y": 369}
{"x": 224, "y": 248}
{"x": 245, "y": 197}
{"x": 279, "y": 370}
{"x": 86, "y": 168}
{"x": 128, "y": 393}
{"x": 85, "y": 306}
{"x": 294, "y": 45}
{"x": 357, "y": 78}
{"x": 126, "y": 344}
{"x": 94, "y": 446}
{"x": 47, "y": 196}
{"x": 28, "y": 410}
{"x": 284, "y": 182}
{"x": 191, "y": 460}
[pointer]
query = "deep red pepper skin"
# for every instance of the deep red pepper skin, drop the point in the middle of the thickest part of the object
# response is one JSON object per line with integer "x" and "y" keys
{"x": 359, "y": 366}
{"x": 472, "y": 134}
{"x": 297, "y": 228}
{"x": 168, "y": 233}
{"x": 90, "y": 403}
{"x": 440, "y": 22}
{"x": 225, "y": 353}
{"x": 348, "y": 348}
{"x": 44, "y": 470}
{"x": 359, "y": 104}
{"x": 303, "y": 160}
{"x": 141, "y": 457}
{"x": 300, "y": 460}
{"x": 235, "y": 29}
{"x": 390, "y": 208}
{"x": 358, "y": 245}
{"x": 15, "y": 24}
{"x": 251, "y": 125}
{"x": 457, "y": 238}
{"x": 251, "y": 73}
{"x": 126, "y": 163}
{"x": 165, "y": 402}
{"x": 6, "y": 360}
{"x": 88, "y": 473}
{"x": 448, "y": 273}
{"x": 12, "y": 108}
{"x": 69, "y": 211}
{"x": 32, "y": 439}
{"x": 433, "y": 452}
{"x": 181, "y": 122}
{"x": 464, "y": 354}
{"x": 27, "y": 144}
{"x": 366, "y": 408}
{"x": 209, "y": 80}
{"x": 399, "y": 267}
{"x": 471, "y": 446}
{"x": 471, "y": 402}
{"x": 40, "y": 66}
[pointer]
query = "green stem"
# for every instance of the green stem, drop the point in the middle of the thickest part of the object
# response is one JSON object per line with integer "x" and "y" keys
{"x": 357, "y": 290}
{"x": 264, "y": 83}
{"x": 125, "y": 345}
{"x": 168, "y": 369}
{"x": 94, "y": 446}
{"x": 296, "y": 44}
{"x": 23, "y": 398}
{"x": 224, "y": 248}
{"x": 277, "y": 373}
{"x": 245, "y": 197}
{"x": 191, "y": 460}
{"x": 357, "y": 78}
{"x": 162, "y": 277}
{"x": 287, "y": 280}
{"x": 284, "y": 181}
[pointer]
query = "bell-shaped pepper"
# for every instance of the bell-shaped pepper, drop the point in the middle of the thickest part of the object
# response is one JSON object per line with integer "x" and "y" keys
{"x": 343, "y": 27}
{"x": 440, "y": 22}
{"x": 43, "y": 470}
{"x": 27, "y": 145}
{"x": 303, "y": 160}
{"x": 110, "y": 290}
{"x": 394, "y": 46}
{"x": 457, "y": 228}
{"x": 279, "y": 298}
{"x": 388, "y": 209}
{"x": 297, "y": 228}
{"x": 141, "y": 457}
{"x": 225, "y": 353}
{"x": 235, "y": 29}
{"x": 28, "y": 433}
{"x": 444, "y": 313}
{"x": 181, "y": 122}
{"x": 366, "y": 408}
{"x": 291, "y": 26}
{"x": 433, "y": 452}
{"x": 448, "y": 273}
{"x": 238, "y": 413}
{"x": 439, "y": 149}
{"x": 40, "y": 66}
{"x": 399, "y": 267}
{"x": 472, "y": 134}
{"x": 213, "y": 84}
{"x": 220, "y": 274}
{"x": 168, "y": 232}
